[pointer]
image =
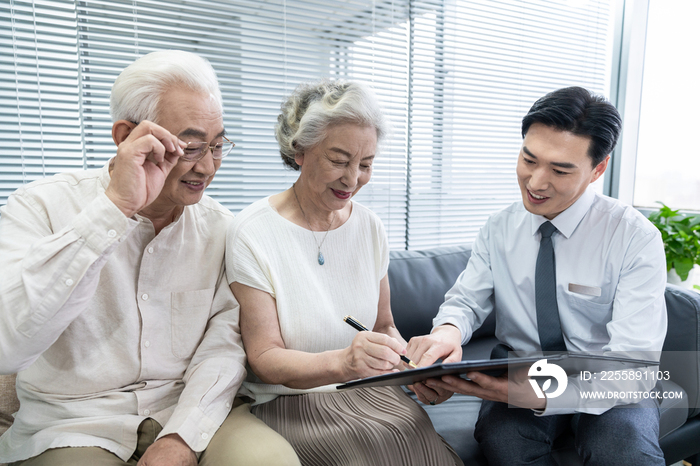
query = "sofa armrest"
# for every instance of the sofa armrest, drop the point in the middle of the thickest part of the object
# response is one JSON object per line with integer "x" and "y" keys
{"x": 681, "y": 350}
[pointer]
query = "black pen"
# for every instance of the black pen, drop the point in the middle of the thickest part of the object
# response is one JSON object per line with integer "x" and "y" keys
{"x": 354, "y": 323}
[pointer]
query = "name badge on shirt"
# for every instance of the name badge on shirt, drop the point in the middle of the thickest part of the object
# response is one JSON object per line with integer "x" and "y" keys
{"x": 587, "y": 290}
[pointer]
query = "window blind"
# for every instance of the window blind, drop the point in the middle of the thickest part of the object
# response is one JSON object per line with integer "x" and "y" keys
{"x": 261, "y": 51}
{"x": 454, "y": 77}
{"x": 40, "y": 130}
{"x": 476, "y": 68}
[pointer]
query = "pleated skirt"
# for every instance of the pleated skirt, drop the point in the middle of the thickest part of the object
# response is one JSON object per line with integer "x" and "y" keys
{"x": 379, "y": 426}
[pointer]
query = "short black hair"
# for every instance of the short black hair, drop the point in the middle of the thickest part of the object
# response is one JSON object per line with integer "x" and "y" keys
{"x": 578, "y": 111}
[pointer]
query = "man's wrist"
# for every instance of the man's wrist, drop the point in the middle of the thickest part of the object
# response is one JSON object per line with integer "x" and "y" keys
{"x": 176, "y": 437}
{"x": 449, "y": 331}
{"x": 117, "y": 202}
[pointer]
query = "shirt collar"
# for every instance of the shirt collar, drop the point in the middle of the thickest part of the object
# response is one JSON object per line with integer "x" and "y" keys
{"x": 567, "y": 221}
{"x": 104, "y": 175}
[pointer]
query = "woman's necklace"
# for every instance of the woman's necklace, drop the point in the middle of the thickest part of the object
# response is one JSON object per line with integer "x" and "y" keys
{"x": 321, "y": 259}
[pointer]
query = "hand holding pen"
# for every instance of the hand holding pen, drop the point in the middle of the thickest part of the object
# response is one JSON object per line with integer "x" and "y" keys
{"x": 354, "y": 323}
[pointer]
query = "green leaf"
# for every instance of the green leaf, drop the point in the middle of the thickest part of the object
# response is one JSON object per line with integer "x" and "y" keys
{"x": 666, "y": 211}
{"x": 675, "y": 248}
{"x": 683, "y": 267}
{"x": 680, "y": 234}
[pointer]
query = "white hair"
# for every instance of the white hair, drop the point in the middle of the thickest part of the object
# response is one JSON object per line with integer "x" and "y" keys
{"x": 314, "y": 107}
{"x": 138, "y": 90}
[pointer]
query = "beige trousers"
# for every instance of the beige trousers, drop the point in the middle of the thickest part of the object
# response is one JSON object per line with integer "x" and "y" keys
{"x": 242, "y": 440}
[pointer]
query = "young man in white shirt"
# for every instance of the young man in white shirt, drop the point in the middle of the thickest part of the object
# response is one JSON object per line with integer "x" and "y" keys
{"x": 605, "y": 284}
{"x": 114, "y": 305}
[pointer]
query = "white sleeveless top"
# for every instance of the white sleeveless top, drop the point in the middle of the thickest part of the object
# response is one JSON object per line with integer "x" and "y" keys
{"x": 270, "y": 253}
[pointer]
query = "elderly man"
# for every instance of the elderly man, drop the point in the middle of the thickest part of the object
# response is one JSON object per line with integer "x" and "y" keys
{"x": 114, "y": 306}
{"x": 606, "y": 293}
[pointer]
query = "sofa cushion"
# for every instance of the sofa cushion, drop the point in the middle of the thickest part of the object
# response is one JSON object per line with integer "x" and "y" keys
{"x": 673, "y": 410}
{"x": 9, "y": 404}
{"x": 419, "y": 280}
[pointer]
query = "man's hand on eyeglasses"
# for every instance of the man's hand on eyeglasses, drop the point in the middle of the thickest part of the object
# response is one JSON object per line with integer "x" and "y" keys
{"x": 144, "y": 160}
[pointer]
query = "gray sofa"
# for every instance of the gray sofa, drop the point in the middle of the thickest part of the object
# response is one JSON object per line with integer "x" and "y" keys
{"x": 419, "y": 280}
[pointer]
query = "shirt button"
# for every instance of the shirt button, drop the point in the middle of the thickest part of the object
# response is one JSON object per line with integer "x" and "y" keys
{"x": 146, "y": 343}
{"x": 205, "y": 436}
{"x": 228, "y": 405}
{"x": 144, "y": 296}
{"x": 111, "y": 233}
{"x": 150, "y": 250}
{"x": 146, "y": 412}
{"x": 69, "y": 282}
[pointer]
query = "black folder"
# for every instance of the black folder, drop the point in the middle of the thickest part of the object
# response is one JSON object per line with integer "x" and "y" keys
{"x": 572, "y": 363}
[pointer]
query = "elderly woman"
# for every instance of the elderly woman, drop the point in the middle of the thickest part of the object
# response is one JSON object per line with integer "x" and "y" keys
{"x": 298, "y": 262}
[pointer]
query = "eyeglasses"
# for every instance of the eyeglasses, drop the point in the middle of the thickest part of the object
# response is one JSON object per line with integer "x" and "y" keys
{"x": 195, "y": 150}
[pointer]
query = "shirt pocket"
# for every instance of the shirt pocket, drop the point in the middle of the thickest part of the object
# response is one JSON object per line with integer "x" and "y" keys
{"x": 190, "y": 314}
{"x": 590, "y": 316}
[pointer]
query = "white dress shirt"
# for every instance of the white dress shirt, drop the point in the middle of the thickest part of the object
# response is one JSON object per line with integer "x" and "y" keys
{"x": 610, "y": 274}
{"x": 109, "y": 324}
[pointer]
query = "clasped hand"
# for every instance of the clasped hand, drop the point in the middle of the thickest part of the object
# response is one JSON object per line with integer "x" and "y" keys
{"x": 145, "y": 156}
{"x": 169, "y": 450}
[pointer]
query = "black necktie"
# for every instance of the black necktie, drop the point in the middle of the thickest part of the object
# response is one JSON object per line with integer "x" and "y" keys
{"x": 548, "y": 323}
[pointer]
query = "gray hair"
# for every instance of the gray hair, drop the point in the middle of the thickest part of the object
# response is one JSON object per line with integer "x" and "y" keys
{"x": 139, "y": 88}
{"x": 314, "y": 107}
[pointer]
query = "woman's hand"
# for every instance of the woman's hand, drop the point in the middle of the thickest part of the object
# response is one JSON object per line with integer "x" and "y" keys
{"x": 371, "y": 354}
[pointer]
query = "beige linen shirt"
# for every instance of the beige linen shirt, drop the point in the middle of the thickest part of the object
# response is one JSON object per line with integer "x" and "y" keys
{"x": 109, "y": 324}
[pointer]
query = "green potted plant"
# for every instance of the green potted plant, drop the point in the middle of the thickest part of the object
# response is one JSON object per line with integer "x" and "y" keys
{"x": 681, "y": 237}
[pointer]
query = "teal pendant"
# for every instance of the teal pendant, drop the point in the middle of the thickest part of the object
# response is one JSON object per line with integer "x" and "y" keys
{"x": 321, "y": 260}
